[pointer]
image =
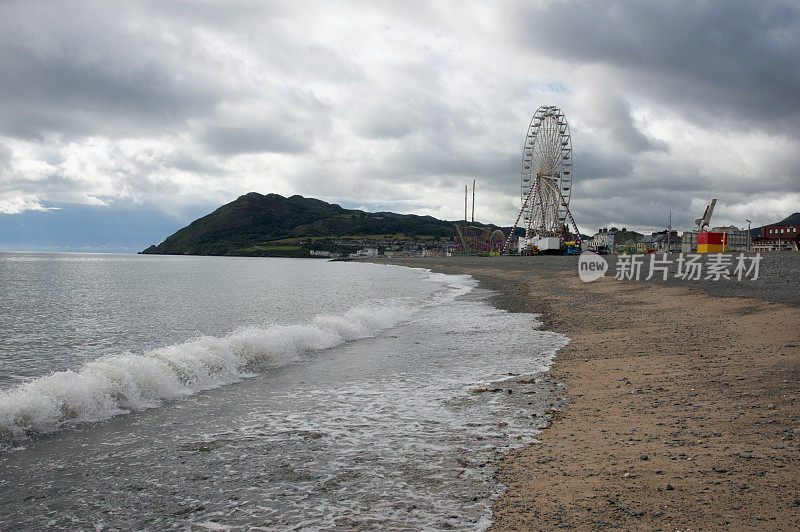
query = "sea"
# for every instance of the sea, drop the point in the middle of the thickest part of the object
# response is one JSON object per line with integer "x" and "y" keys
{"x": 230, "y": 393}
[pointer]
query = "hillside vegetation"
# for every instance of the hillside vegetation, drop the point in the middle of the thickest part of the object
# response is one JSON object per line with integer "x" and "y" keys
{"x": 272, "y": 225}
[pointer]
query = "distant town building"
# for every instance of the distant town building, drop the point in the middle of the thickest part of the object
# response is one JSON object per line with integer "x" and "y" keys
{"x": 782, "y": 236}
{"x": 660, "y": 240}
{"x": 602, "y": 241}
{"x": 623, "y": 237}
{"x": 780, "y": 231}
{"x": 761, "y": 243}
{"x": 366, "y": 253}
{"x": 735, "y": 237}
{"x": 689, "y": 242}
{"x": 611, "y": 240}
{"x": 434, "y": 253}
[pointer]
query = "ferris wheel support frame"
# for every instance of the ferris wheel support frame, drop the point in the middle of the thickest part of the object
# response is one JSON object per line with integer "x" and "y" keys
{"x": 516, "y": 222}
{"x": 578, "y": 238}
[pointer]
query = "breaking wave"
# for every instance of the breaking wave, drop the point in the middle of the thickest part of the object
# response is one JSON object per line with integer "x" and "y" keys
{"x": 128, "y": 382}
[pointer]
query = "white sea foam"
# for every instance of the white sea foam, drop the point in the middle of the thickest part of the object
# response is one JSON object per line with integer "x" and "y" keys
{"x": 128, "y": 382}
{"x": 453, "y": 285}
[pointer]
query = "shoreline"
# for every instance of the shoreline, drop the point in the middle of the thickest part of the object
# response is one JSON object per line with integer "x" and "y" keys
{"x": 682, "y": 404}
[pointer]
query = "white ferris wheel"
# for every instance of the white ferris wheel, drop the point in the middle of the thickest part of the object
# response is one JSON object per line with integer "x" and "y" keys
{"x": 546, "y": 173}
{"x": 546, "y": 177}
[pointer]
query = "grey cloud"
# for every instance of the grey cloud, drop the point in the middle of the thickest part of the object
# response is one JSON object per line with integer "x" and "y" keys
{"x": 595, "y": 164}
{"x": 84, "y": 80}
{"x": 398, "y": 115}
{"x": 190, "y": 163}
{"x": 231, "y": 14}
{"x": 644, "y": 201}
{"x": 311, "y": 62}
{"x": 722, "y": 59}
{"x": 267, "y": 27}
{"x": 73, "y": 96}
{"x": 644, "y": 215}
{"x": 56, "y": 183}
{"x": 461, "y": 161}
{"x": 128, "y": 70}
{"x": 5, "y": 157}
{"x": 612, "y": 114}
{"x": 289, "y": 123}
{"x": 391, "y": 124}
{"x": 233, "y": 140}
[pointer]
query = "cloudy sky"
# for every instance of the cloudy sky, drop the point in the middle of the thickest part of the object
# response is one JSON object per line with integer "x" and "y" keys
{"x": 122, "y": 121}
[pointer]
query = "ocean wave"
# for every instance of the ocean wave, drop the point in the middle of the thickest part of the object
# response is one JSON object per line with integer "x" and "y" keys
{"x": 128, "y": 382}
{"x": 453, "y": 285}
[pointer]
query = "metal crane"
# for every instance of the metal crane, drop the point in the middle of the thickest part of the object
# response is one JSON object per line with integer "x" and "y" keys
{"x": 703, "y": 223}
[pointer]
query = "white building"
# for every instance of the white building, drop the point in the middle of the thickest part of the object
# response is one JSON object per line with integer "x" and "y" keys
{"x": 366, "y": 253}
{"x": 603, "y": 240}
{"x": 689, "y": 242}
{"x": 737, "y": 239}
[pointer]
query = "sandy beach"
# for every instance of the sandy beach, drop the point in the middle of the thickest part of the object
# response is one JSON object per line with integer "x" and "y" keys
{"x": 682, "y": 411}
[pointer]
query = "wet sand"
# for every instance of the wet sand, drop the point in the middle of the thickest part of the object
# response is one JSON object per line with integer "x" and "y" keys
{"x": 684, "y": 407}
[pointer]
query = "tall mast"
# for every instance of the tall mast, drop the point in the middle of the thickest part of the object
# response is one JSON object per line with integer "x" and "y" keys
{"x": 465, "y": 204}
{"x": 669, "y": 232}
{"x": 473, "y": 201}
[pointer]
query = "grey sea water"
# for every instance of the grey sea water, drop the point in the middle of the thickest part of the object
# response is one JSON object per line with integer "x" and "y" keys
{"x": 144, "y": 392}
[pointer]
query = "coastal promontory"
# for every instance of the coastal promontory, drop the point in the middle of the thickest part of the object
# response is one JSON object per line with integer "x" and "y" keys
{"x": 272, "y": 225}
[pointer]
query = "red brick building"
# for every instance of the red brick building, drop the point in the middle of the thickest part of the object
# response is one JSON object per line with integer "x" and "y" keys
{"x": 782, "y": 232}
{"x": 778, "y": 237}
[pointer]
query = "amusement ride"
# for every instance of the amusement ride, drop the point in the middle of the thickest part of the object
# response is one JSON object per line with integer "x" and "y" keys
{"x": 546, "y": 183}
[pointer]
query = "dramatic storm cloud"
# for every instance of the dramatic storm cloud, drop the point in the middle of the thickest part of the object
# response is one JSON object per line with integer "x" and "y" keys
{"x": 174, "y": 107}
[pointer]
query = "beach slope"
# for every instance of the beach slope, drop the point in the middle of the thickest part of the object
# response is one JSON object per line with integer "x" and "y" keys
{"x": 683, "y": 405}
